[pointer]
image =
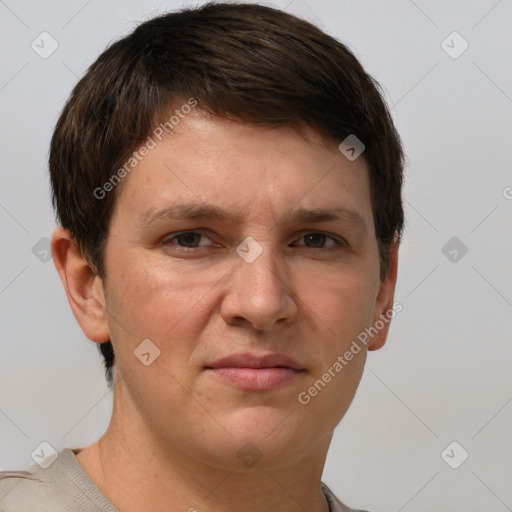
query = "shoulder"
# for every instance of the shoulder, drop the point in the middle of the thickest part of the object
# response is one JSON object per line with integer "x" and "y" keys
{"x": 23, "y": 490}
{"x": 63, "y": 485}
{"x": 335, "y": 505}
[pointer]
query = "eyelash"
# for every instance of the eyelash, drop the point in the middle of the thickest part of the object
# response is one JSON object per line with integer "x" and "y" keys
{"x": 167, "y": 241}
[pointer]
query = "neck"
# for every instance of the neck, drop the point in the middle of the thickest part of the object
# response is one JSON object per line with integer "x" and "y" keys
{"x": 138, "y": 472}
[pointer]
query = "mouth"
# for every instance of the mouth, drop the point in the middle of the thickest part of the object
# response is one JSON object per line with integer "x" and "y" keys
{"x": 256, "y": 373}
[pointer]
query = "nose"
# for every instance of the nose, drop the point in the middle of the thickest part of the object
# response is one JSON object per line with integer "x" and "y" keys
{"x": 259, "y": 293}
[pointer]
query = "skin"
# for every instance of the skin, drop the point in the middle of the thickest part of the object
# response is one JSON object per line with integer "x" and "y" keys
{"x": 176, "y": 428}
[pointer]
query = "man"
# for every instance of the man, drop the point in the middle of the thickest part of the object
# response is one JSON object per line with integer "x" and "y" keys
{"x": 227, "y": 181}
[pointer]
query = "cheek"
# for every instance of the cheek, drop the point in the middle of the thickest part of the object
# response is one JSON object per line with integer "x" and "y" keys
{"x": 328, "y": 393}
{"x": 149, "y": 299}
{"x": 343, "y": 302}
{"x": 341, "y": 306}
{"x": 342, "y": 311}
{"x": 153, "y": 299}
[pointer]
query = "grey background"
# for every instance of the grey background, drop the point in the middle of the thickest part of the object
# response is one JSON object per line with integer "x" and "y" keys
{"x": 445, "y": 373}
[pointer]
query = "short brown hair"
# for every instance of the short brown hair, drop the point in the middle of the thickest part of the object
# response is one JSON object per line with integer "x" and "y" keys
{"x": 244, "y": 62}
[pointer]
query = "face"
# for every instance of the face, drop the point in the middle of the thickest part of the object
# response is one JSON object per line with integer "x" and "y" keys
{"x": 255, "y": 244}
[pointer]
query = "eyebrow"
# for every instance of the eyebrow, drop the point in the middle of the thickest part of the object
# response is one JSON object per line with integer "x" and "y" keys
{"x": 188, "y": 211}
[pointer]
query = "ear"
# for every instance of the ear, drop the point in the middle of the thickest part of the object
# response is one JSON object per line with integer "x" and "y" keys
{"x": 384, "y": 302}
{"x": 84, "y": 289}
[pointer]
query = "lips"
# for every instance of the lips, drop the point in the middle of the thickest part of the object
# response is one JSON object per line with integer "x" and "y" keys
{"x": 256, "y": 373}
{"x": 253, "y": 361}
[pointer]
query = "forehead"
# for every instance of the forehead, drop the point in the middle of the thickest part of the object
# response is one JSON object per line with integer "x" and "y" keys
{"x": 208, "y": 166}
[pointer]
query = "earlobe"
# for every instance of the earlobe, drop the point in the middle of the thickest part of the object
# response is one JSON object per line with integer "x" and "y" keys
{"x": 84, "y": 289}
{"x": 384, "y": 310}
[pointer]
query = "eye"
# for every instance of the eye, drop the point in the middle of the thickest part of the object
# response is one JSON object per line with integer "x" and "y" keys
{"x": 317, "y": 241}
{"x": 186, "y": 240}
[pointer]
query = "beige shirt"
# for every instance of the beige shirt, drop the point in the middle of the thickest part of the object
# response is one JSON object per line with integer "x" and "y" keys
{"x": 66, "y": 487}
